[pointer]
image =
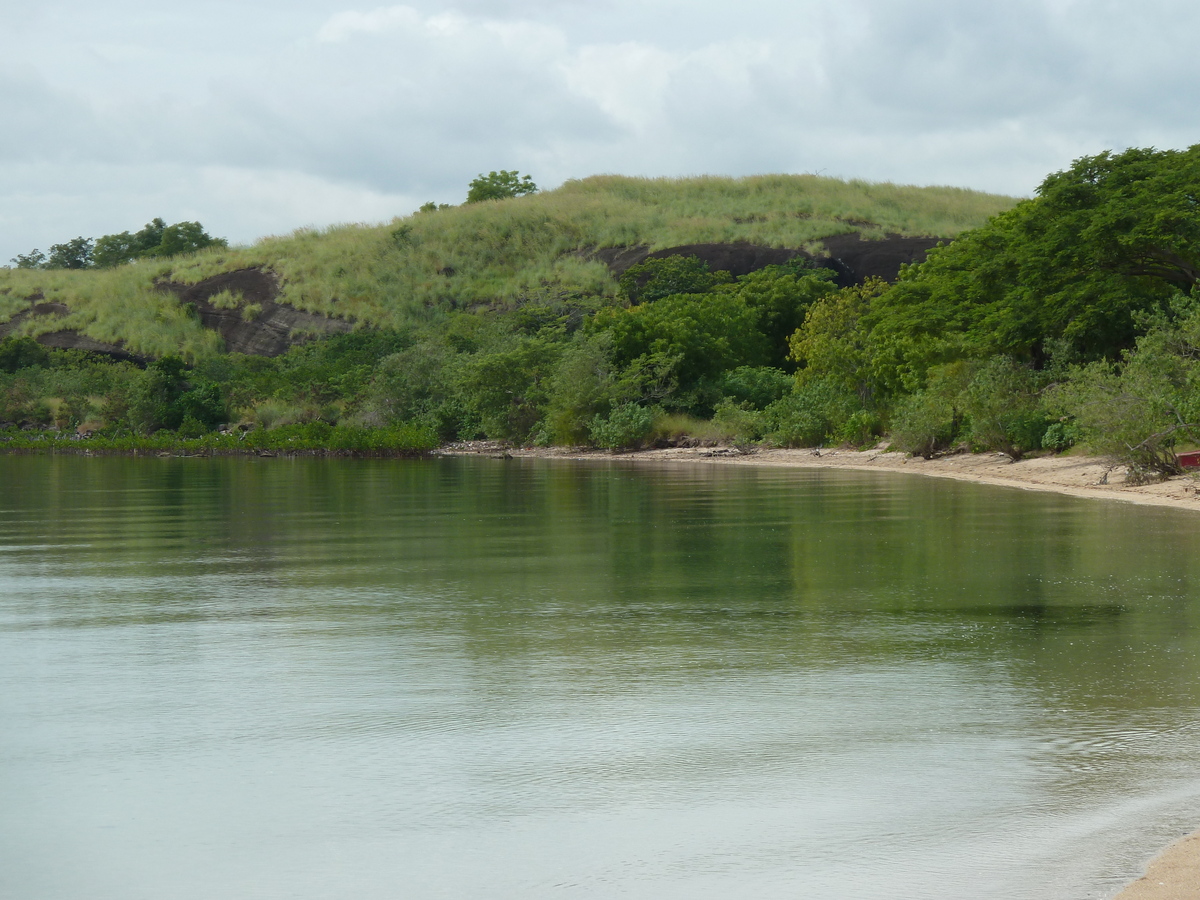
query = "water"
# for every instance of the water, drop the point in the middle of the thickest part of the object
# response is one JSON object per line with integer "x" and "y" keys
{"x": 521, "y": 679}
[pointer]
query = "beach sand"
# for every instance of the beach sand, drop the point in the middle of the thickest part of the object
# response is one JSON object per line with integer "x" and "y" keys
{"x": 1077, "y": 476}
{"x": 1175, "y": 873}
{"x": 1172, "y": 875}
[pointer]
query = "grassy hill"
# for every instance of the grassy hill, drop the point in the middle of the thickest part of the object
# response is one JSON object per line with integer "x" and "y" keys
{"x": 416, "y": 271}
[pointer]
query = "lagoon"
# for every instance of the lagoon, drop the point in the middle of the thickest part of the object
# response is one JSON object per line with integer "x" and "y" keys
{"x": 303, "y": 678}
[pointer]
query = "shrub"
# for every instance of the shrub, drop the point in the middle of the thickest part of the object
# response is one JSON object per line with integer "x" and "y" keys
{"x": 925, "y": 423}
{"x": 628, "y": 425}
{"x": 756, "y": 386}
{"x": 809, "y": 415}
{"x": 667, "y": 276}
{"x": 22, "y": 353}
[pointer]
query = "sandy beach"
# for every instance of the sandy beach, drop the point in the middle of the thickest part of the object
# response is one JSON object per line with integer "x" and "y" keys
{"x": 1077, "y": 476}
{"x": 1175, "y": 873}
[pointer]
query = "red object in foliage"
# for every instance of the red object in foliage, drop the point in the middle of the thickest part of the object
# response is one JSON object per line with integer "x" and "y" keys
{"x": 1189, "y": 460}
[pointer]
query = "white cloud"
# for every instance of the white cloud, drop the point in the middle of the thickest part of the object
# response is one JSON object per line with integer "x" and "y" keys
{"x": 319, "y": 110}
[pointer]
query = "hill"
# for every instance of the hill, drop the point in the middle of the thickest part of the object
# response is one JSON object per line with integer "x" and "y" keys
{"x": 497, "y": 256}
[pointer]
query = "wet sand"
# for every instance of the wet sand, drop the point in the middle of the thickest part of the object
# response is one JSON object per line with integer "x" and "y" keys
{"x": 1175, "y": 873}
{"x": 1172, "y": 875}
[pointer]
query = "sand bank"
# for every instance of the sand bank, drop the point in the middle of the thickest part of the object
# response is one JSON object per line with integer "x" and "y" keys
{"x": 1077, "y": 476}
{"x": 1175, "y": 874}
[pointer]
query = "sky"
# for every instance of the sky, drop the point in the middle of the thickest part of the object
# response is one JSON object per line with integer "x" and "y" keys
{"x": 257, "y": 117}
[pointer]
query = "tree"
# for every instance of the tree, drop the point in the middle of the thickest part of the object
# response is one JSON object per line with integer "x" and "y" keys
{"x": 662, "y": 277}
{"x": 156, "y": 239}
{"x": 499, "y": 186}
{"x": 832, "y": 343}
{"x": 34, "y": 259}
{"x": 1106, "y": 241}
{"x": 74, "y": 254}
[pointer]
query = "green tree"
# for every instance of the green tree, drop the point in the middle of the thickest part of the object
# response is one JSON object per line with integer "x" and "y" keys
{"x": 665, "y": 276}
{"x": 1109, "y": 239}
{"x": 74, "y": 254}
{"x": 699, "y": 336}
{"x": 783, "y": 297}
{"x": 22, "y": 353}
{"x": 499, "y": 186}
{"x": 1136, "y": 411}
{"x": 833, "y": 342}
{"x": 34, "y": 259}
{"x": 155, "y": 239}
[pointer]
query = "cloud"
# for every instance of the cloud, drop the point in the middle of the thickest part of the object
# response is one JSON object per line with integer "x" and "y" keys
{"x": 363, "y": 108}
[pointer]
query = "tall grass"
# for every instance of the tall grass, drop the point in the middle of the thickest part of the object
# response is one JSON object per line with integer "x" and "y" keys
{"x": 497, "y": 252}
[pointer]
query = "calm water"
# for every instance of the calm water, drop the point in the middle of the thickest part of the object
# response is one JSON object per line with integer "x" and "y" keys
{"x": 476, "y": 678}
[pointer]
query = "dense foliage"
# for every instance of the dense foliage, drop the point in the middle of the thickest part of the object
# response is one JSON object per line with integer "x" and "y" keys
{"x": 500, "y": 186}
{"x": 1071, "y": 318}
{"x": 156, "y": 239}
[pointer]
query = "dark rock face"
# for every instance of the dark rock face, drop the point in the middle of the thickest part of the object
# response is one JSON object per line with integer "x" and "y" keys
{"x": 68, "y": 339}
{"x": 856, "y": 260}
{"x": 65, "y": 339}
{"x": 268, "y": 330}
{"x": 851, "y": 258}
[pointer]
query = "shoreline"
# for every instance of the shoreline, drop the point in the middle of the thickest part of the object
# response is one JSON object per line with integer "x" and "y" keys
{"x": 1172, "y": 874}
{"x": 1075, "y": 476}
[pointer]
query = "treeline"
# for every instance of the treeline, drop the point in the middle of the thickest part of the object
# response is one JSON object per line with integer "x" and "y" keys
{"x": 1072, "y": 318}
{"x": 156, "y": 240}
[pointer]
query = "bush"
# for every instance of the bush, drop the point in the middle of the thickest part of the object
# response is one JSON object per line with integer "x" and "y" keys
{"x": 1004, "y": 409}
{"x": 756, "y": 386}
{"x": 925, "y": 423}
{"x": 626, "y": 426}
{"x": 810, "y": 415}
{"x": 22, "y": 353}
{"x": 738, "y": 423}
{"x": 657, "y": 278}
{"x": 861, "y": 429}
{"x": 1061, "y": 436}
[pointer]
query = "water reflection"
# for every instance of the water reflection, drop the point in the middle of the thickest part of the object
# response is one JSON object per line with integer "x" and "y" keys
{"x": 513, "y": 679}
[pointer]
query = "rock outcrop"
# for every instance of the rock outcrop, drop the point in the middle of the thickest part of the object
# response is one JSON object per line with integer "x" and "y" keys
{"x": 256, "y": 324}
{"x": 852, "y": 259}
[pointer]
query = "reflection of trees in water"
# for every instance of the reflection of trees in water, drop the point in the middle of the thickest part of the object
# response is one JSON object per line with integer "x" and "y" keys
{"x": 670, "y": 567}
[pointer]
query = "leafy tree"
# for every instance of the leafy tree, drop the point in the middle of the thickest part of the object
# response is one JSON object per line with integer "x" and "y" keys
{"x": 810, "y": 414}
{"x": 1109, "y": 239}
{"x": 1136, "y": 412}
{"x": 164, "y": 396}
{"x": 184, "y": 237}
{"x": 34, "y": 259}
{"x": 832, "y": 342}
{"x": 782, "y": 296}
{"x": 756, "y": 386}
{"x": 156, "y": 239}
{"x": 499, "y": 186}
{"x": 22, "y": 353}
{"x": 507, "y": 386}
{"x": 74, "y": 254}
{"x": 665, "y": 276}
{"x": 698, "y": 335}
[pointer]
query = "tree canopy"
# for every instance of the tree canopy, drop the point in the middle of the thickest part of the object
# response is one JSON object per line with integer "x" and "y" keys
{"x": 499, "y": 186}
{"x": 1110, "y": 239}
{"x": 156, "y": 239}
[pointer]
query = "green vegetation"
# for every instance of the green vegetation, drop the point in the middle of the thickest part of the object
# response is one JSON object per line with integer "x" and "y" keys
{"x": 1070, "y": 318}
{"x": 500, "y": 186}
{"x": 157, "y": 239}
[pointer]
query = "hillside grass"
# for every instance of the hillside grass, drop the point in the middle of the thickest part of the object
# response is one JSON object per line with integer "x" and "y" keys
{"x": 486, "y": 255}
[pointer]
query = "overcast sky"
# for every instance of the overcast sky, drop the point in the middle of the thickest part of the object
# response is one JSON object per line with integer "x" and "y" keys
{"x": 260, "y": 116}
